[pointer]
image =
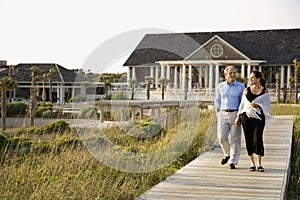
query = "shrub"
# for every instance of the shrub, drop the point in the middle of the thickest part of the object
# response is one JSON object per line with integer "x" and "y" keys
{"x": 46, "y": 105}
{"x": 42, "y": 109}
{"x": 3, "y": 141}
{"x": 78, "y": 98}
{"x": 119, "y": 96}
{"x": 58, "y": 127}
{"x": 87, "y": 113}
{"x": 145, "y": 130}
{"x": 47, "y": 114}
{"x": 16, "y": 108}
{"x": 39, "y": 112}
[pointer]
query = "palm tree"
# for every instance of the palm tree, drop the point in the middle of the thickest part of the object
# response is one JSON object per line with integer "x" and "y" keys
{"x": 291, "y": 80}
{"x": 277, "y": 87}
{"x": 33, "y": 90}
{"x": 296, "y": 65}
{"x": 49, "y": 76}
{"x": 163, "y": 82}
{"x": 6, "y": 83}
{"x": 148, "y": 80}
{"x": 11, "y": 72}
{"x": 106, "y": 79}
{"x": 44, "y": 90}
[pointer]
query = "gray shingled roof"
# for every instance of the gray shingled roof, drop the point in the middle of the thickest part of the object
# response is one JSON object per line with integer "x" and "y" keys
{"x": 23, "y": 72}
{"x": 274, "y": 46}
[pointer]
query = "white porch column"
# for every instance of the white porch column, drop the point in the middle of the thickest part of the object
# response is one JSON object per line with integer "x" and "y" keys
{"x": 210, "y": 78}
{"x": 206, "y": 77}
{"x": 260, "y": 68}
{"x": 62, "y": 94}
{"x": 180, "y": 77}
{"x": 73, "y": 88}
{"x": 152, "y": 75}
{"x": 133, "y": 73}
{"x": 190, "y": 78}
{"x": 200, "y": 77}
{"x": 183, "y": 78}
{"x": 14, "y": 92}
{"x": 58, "y": 92}
{"x": 162, "y": 71}
{"x": 288, "y": 76}
{"x": 243, "y": 71}
{"x": 156, "y": 77}
{"x": 217, "y": 75}
{"x": 168, "y": 76}
{"x": 248, "y": 73}
{"x": 128, "y": 76}
{"x": 175, "y": 77}
{"x": 152, "y": 71}
{"x": 270, "y": 75}
{"x": 282, "y": 76}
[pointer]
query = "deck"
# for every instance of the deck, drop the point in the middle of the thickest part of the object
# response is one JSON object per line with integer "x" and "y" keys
{"x": 206, "y": 178}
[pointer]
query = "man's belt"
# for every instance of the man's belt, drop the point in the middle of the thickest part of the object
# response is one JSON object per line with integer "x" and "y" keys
{"x": 229, "y": 110}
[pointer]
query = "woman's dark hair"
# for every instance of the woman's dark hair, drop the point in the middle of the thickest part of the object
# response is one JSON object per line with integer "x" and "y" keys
{"x": 259, "y": 75}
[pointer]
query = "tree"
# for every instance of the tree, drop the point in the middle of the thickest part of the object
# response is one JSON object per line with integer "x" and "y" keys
{"x": 148, "y": 80}
{"x": 277, "y": 87}
{"x": 6, "y": 83}
{"x": 291, "y": 81}
{"x": 106, "y": 79}
{"x": 44, "y": 91}
{"x": 163, "y": 82}
{"x": 33, "y": 90}
{"x": 11, "y": 72}
{"x": 49, "y": 75}
{"x": 296, "y": 68}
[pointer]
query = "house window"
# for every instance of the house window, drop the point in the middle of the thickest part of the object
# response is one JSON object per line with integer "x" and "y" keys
{"x": 216, "y": 50}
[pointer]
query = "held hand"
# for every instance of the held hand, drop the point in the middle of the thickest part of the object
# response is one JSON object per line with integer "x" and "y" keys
{"x": 237, "y": 121}
{"x": 254, "y": 105}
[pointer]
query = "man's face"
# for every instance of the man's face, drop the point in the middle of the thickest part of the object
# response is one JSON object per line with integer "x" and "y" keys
{"x": 230, "y": 75}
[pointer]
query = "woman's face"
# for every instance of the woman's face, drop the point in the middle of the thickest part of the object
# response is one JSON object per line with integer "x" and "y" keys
{"x": 253, "y": 79}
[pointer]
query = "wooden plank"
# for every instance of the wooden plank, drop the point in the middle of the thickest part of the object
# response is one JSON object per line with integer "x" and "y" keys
{"x": 206, "y": 178}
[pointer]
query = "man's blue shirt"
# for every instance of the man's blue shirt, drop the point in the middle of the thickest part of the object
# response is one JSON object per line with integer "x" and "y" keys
{"x": 228, "y": 97}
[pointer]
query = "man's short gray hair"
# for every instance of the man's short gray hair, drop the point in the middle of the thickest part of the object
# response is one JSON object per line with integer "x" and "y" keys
{"x": 229, "y": 67}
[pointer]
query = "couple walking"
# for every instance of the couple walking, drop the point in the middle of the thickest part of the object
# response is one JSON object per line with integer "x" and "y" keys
{"x": 238, "y": 106}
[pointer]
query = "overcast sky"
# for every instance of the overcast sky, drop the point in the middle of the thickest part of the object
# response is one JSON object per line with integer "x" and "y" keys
{"x": 68, "y": 32}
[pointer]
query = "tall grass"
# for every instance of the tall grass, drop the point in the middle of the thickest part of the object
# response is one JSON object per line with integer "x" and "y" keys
{"x": 285, "y": 109}
{"x": 294, "y": 181}
{"x": 63, "y": 168}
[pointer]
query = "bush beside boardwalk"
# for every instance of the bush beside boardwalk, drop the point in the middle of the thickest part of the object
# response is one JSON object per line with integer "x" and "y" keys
{"x": 58, "y": 166}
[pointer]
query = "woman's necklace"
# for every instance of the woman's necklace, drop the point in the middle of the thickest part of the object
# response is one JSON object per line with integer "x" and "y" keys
{"x": 256, "y": 90}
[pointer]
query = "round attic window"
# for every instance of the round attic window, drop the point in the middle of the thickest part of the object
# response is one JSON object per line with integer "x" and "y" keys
{"x": 216, "y": 50}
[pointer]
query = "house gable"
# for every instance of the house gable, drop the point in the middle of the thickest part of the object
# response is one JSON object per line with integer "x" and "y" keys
{"x": 216, "y": 48}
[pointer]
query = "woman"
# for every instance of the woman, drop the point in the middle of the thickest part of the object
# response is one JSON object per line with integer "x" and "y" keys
{"x": 253, "y": 110}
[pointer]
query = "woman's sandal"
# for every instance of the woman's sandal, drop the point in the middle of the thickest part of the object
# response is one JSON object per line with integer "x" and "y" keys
{"x": 260, "y": 169}
{"x": 252, "y": 169}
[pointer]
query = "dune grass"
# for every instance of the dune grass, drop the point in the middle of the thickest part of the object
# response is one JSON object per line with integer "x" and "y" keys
{"x": 294, "y": 181}
{"x": 63, "y": 168}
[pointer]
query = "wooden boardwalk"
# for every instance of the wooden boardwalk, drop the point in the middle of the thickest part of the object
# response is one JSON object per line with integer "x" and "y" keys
{"x": 206, "y": 178}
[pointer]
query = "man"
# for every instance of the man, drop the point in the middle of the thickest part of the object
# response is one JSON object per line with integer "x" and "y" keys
{"x": 228, "y": 98}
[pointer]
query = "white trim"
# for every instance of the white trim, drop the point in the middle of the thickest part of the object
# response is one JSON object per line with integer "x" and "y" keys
{"x": 220, "y": 62}
{"x": 210, "y": 40}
